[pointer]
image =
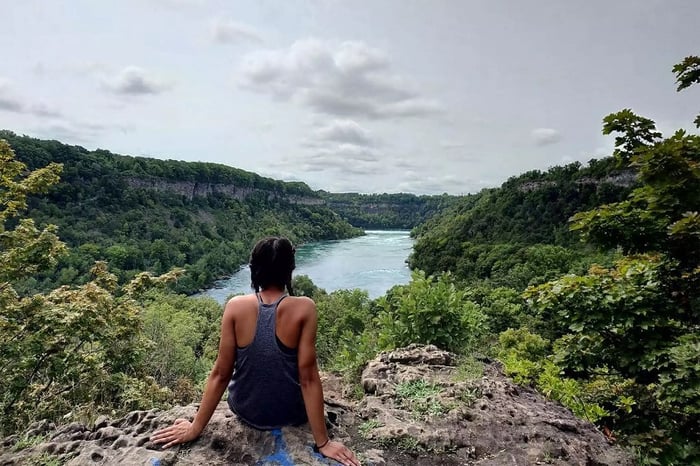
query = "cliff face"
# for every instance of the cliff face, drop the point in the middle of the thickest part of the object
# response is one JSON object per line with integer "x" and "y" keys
{"x": 192, "y": 189}
{"x": 623, "y": 178}
{"x": 488, "y": 421}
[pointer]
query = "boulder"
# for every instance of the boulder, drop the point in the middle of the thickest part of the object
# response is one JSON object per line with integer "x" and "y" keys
{"x": 415, "y": 411}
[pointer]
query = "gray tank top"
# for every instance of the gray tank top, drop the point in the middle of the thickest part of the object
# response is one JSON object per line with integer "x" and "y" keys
{"x": 264, "y": 390}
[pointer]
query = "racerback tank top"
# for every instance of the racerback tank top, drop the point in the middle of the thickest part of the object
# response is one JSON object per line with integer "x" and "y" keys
{"x": 264, "y": 390}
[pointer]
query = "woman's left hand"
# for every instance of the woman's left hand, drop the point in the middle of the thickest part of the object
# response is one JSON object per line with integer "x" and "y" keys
{"x": 180, "y": 432}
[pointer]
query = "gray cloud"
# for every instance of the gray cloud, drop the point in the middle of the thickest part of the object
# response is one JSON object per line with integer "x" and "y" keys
{"x": 10, "y": 105}
{"x": 43, "y": 110}
{"x": 347, "y": 80}
{"x": 344, "y": 131}
{"x": 451, "y": 144}
{"x": 337, "y": 158}
{"x": 420, "y": 183}
{"x": 341, "y": 147}
{"x": 545, "y": 136}
{"x": 177, "y": 4}
{"x": 8, "y": 101}
{"x": 349, "y": 153}
{"x": 71, "y": 132}
{"x": 330, "y": 164}
{"x": 228, "y": 31}
{"x": 133, "y": 80}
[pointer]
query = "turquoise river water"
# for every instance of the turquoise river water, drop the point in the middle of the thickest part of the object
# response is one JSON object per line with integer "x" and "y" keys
{"x": 374, "y": 262}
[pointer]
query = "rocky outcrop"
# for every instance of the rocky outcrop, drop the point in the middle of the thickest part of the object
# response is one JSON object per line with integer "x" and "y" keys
{"x": 415, "y": 400}
{"x": 192, "y": 189}
{"x": 622, "y": 178}
{"x": 416, "y": 411}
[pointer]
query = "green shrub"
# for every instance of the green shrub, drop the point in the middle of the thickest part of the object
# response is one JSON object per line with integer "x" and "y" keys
{"x": 430, "y": 311}
{"x": 183, "y": 334}
{"x": 343, "y": 316}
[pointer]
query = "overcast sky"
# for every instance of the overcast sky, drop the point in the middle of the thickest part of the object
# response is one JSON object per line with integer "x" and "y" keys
{"x": 367, "y": 96}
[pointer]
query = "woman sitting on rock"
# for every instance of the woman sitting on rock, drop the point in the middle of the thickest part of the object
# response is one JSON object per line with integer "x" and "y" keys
{"x": 269, "y": 338}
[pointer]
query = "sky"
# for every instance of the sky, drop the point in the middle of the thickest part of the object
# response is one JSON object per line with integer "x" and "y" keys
{"x": 389, "y": 96}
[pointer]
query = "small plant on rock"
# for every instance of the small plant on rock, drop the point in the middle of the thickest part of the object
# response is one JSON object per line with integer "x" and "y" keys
{"x": 367, "y": 427}
{"x": 421, "y": 398}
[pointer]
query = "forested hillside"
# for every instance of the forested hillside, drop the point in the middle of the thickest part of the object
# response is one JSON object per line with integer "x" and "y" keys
{"x": 387, "y": 211}
{"x": 498, "y": 232}
{"x": 146, "y": 214}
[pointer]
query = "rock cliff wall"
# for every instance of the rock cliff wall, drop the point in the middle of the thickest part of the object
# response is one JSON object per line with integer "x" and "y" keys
{"x": 192, "y": 189}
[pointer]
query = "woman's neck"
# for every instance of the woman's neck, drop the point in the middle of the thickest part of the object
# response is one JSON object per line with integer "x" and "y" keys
{"x": 270, "y": 294}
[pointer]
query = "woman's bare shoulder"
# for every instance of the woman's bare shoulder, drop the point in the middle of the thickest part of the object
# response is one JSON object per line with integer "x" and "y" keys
{"x": 240, "y": 302}
{"x": 302, "y": 300}
{"x": 300, "y": 304}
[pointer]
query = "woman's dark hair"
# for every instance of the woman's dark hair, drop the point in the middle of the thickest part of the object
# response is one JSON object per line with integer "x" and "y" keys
{"x": 271, "y": 264}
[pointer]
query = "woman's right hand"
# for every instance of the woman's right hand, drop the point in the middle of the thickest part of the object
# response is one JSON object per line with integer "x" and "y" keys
{"x": 181, "y": 431}
{"x": 340, "y": 453}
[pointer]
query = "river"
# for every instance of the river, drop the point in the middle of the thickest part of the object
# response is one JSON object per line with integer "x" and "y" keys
{"x": 374, "y": 262}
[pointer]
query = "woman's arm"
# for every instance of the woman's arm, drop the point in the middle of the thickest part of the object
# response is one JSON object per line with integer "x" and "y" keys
{"x": 183, "y": 430}
{"x": 312, "y": 391}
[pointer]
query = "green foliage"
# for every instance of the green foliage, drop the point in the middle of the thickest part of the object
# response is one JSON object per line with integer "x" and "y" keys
{"x": 420, "y": 398}
{"x": 43, "y": 459}
{"x": 503, "y": 307}
{"x": 183, "y": 339}
{"x": 343, "y": 316}
{"x": 365, "y": 429}
{"x": 469, "y": 368}
{"x": 518, "y": 235}
{"x": 633, "y": 328}
{"x": 688, "y": 73}
{"x": 303, "y": 286}
{"x": 153, "y": 215}
{"x": 524, "y": 355}
{"x": 613, "y": 308}
{"x": 62, "y": 348}
{"x": 26, "y": 441}
{"x": 430, "y": 311}
{"x": 658, "y": 216}
{"x": 637, "y": 132}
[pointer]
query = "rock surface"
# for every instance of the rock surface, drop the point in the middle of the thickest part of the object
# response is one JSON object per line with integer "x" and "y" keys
{"x": 415, "y": 411}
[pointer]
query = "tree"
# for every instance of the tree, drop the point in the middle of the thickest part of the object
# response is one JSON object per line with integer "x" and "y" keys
{"x": 66, "y": 350}
{"x": 640, "y": 320}
{"x": 636, "y": 132}
{"x": 687, "y": 74}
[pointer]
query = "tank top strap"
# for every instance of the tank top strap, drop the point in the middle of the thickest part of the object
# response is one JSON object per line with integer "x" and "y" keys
{"x": 273, "y": 304}
{"x": 279, "y": 300}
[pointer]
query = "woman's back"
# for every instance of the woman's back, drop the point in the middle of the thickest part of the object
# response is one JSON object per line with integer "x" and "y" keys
{"x": 265, "y": 391}
{"x": 288, "y": 320}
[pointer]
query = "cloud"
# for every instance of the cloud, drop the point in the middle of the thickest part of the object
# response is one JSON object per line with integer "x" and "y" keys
{"x": 348, "y": 153}
{"x": 228, "y": 32}
{"x": 420, "y": 183}
{"x": 449, "y": 145}
{"x": 133, "y": 80}
{"x": 346, "y": 80}
{"x": 9, "y": 102}
{"x": 43, "y": 110}
{"x": 545, "y": 136}
{"x": 180, "y": 3}
{"x": 342, "y": 147}
{"x": 344, "y": 131}
{"x": 70, "y": 132}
